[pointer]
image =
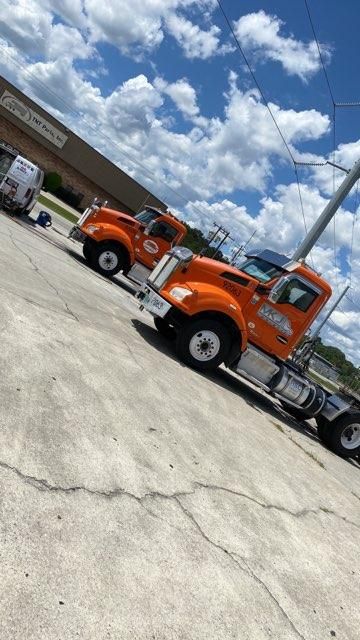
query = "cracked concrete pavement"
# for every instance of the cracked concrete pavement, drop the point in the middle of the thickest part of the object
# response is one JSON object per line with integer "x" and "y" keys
{"x": 140, "y": 499}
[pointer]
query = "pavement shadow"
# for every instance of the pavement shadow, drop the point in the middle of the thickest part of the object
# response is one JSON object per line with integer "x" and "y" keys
{"x": 231, "y": 382}
{"x": 128, "y": 287}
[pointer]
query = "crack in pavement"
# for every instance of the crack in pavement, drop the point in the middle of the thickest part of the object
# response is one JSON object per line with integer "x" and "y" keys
{"x": 43, "y": 485}
{"x": 234, "y": 557}
{"x": 50, "y": 284}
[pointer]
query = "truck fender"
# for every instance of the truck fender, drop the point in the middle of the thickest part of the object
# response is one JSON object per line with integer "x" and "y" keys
{"x": 334, "y": 408}
{"x": 110, "y": 233}
{"x": 217, "y": 303}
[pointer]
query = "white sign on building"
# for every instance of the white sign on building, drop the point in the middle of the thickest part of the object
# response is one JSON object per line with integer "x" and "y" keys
{"x": 33, "y": 119}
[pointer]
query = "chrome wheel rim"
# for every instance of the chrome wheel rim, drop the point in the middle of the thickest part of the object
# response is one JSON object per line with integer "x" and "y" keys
{"x": 108, "y": 260}
{"x": 204, "y": 345}
{"x": 350, "y": 437}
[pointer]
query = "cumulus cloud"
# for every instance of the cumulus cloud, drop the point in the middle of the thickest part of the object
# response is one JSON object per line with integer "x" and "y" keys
{"x": 33, "y": 32}
{"x": 261, "y": 33}
{"x": 139, "y": 27}
{"x": 196, "y": 42}
{"x": 205, "y": 161}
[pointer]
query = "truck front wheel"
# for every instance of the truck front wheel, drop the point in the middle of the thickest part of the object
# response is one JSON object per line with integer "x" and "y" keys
{"x": 343, "y": 436}
{"x": 203, "y": 344}
{"x": 87, "y": 249}
{"x": 108, "y": 258}
{"x": 164, "y": 328}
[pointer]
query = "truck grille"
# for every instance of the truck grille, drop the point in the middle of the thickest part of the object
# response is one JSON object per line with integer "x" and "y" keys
{"x": 170, "y": 262}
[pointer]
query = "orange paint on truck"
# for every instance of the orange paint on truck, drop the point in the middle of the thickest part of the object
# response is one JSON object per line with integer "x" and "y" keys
{"x": 113, "y": 241}
{"x": 241, "y": 300}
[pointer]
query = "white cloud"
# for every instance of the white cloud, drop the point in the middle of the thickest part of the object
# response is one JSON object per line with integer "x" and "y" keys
{"x": 67, "y": 41}
{"x": 139, "y": 27}
{"x": 196, "y": 42}
{"x": 25, "y": 25}
{"x": 260, "y": 33}
{"x": 33, "y": 31}
{"x": 184, "y": 97}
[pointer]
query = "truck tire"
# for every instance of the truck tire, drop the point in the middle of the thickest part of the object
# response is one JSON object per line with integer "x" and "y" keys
{"x": 323, "y": 429}
{"x": 108, "y": 258}
{"x": 203, "y": 344}
{"x": 344, "y": 436}
{"x": 164, "y": 328}
{"x": 87, "y": 250}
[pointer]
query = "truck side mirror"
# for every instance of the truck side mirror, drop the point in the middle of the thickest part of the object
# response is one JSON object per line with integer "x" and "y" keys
{"x": 149, "y": 229}
{"x": 278, "y": 289}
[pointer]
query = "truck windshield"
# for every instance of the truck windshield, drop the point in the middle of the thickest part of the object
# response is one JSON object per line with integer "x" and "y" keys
{"x": 260, "y": 269}
{"x": 147, "y": 215}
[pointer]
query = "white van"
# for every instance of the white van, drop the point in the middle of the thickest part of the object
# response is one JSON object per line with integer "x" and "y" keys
{"x": 20, "y": 186}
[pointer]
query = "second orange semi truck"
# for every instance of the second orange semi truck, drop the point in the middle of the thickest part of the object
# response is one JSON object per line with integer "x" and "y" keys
{"x": 114, "y": 241}
{"x": 250, "y": 318}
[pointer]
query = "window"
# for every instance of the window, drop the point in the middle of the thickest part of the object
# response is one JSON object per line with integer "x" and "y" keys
{"x": 298, "y": 294}
{"x": 165, "y": 231}
{"x": 147, "y": 215}
{"x": 260, "y": 269}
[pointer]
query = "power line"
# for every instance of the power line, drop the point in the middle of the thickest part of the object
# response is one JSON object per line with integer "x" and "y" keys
{"x": 255, "y": 79}
{"x": 334, "y": 128}
{"x": 265, "y": 101}
{"x": 302, "y": 208}
{"x": 71, "y": 110}
{"x": 319, "y": 52}
{"x": 353, "y": 302}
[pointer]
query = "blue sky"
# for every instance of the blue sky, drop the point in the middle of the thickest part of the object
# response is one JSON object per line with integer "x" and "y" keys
{"x": 159, "y": 87}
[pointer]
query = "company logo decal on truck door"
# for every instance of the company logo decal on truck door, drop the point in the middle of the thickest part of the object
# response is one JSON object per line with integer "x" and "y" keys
{"x": 150, "y": 246}
{"x": 275, "y": 318}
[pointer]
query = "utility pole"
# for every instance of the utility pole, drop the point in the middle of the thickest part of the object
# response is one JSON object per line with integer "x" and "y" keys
{"x": 218, "y": 230}
{"x": 240, "y": 250}
{"x": 211, "y": 237}
{"x": 330, "y": 312}
{"x": 304, "y": 354}
{"x": 331, "y": 208}
{"x": 226, "y": 235}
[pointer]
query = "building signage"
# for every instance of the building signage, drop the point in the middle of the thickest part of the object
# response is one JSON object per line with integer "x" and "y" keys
{"x": 33, "y": 119}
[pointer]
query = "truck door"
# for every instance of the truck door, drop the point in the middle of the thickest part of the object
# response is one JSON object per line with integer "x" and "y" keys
{"x": 276, "y": 325}
{"x": 150, "y": 245}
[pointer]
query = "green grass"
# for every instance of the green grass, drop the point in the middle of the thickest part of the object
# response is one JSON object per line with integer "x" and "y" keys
{"x": 57, "y": 208}
{"x": 325, "y": 383}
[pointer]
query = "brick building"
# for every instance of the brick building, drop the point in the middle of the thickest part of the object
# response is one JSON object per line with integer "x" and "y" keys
{"x": 41, "y": 138}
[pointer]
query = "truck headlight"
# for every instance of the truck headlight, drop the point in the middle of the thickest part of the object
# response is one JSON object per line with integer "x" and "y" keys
{"x": 92, "y": 228}
{"x": 180, "y": 293}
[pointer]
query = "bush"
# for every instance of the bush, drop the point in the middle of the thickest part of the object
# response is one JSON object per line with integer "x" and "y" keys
{"x": 52, "y": 182}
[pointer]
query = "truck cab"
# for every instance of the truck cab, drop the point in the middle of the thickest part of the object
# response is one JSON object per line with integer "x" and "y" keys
{"x": 267, "y": 304}
{"x": 250, "y": 319}
{"x": 114, "y": 241}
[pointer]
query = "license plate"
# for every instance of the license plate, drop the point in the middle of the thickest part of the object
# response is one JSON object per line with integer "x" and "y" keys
{"x": 154, "y": 303}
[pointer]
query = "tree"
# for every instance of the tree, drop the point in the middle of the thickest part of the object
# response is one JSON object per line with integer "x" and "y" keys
{"x": 348, "y": 372}
{"x": 196, "y": 241}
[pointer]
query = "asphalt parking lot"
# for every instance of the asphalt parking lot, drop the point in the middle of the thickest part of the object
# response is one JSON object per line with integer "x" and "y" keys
{"x": 142, "y": 500}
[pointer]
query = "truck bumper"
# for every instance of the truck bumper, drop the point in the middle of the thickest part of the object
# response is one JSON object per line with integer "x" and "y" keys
{"x": 153, "y": 302}
{"x": 77, "y": 234}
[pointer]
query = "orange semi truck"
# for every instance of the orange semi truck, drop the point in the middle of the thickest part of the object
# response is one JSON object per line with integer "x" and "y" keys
{"x": 114, "y": 241}
{"x": 250, "y": 318}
